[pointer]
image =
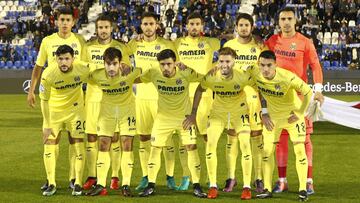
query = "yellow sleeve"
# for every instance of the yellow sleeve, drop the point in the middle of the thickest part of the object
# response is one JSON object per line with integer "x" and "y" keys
{"x": 84, "y": 53}
{"x": 42, "y": 55}
{"x": 193, "y": 76}
{"x": 132, "y": 47}
{"x": 215, "y": 44}
{"x": 146, "y": 76}
{"x": 45, "y": 86}
{"x": 204, "y": 83}
{"x": 299, "y": 85}
{"x": 125, "y": 54}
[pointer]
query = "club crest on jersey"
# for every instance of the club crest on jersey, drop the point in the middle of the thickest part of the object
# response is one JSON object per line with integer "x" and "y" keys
{"x": 73, "y": 45}
{"x": 201, "y": 45}
{"x": 157, "y": 47}
{"x": 178, "y": 81}
{"x": 253, "y": 50}
{"x": 122, "y": 83}
{"x": 237, "y": 86}
{"x": 293, "y": 46}
{"x": 277, "y": 87}
{"x": 77, "y": 78}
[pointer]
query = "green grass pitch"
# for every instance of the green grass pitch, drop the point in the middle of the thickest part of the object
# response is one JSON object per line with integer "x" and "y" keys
{"x": 336, "y": 164}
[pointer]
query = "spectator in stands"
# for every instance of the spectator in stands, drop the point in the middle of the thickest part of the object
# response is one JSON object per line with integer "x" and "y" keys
{"x": 328, "y": 7}
{"x": 12, "y": 54}
{"x": 320, "y": 6}
{"x": 353, "y": 9}
{"x": 273, "y": 8}
{"x": 342, "y": 38}
{"x": 170, "y": 14}
{"x": 229, "y": 22}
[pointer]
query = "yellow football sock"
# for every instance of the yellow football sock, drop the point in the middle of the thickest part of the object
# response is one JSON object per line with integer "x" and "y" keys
{"x": 91, "y": 153}
{"x": 127, "y": 165}
{"x": 246, "y": 158}
{"x": 256, "y": 149}
{"x": 169, "y": 157}
{"x": 115, "y": 155}
{"x": 144, "y": 153}
{"x": 154, "y": 163}
{"x": 56, "y": 152}
{"x": 183, "y": 155}
{"x": 102, "y": 167}
{"x": 79, "y": 162}
{"x": 50, "y": 163}
{"x": 268, "y": 164}
{"x": 232, "y": 151}
{"x": 301, "y": 165}
{"x": 72, "y": 156}
{"x": 194, "y": 165}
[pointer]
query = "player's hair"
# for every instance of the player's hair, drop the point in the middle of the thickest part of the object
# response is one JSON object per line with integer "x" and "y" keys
{"x": 148, "y": 15}
{"x": 227, "y": 51}
{"x": 267, "y": 54}
{"x": 245, "y": 16}
{"x": 111, "y": 53}
{"x": 104, "y": 18}
{"x": 64, "y": 49}
{"x": 165, "y": 54}
{"x": 287, "y": 9}
{"x": 194, "y": 15}
{"x": 64, "y": 11}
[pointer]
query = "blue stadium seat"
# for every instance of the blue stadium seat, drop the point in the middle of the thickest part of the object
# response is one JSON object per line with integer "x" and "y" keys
{"x": 327, "y": 65}
{"x": 2, "y": 64}
{"x": 335, "y": 65}
{"x": 258, "y": 23}
{"x": 17, "y": 65}
{"x": 9, "y": 64}
{"x": 26, "y": 64}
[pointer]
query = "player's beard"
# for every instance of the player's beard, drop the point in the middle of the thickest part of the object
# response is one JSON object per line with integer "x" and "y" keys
{"x": 194, "y": 33}
{"x": 245, "y": 36}
{"x": 111, "y": 73}
{"x": 104, "y": 36}
{"x": 65, "y": 68}
{"x": 149, "y": 33}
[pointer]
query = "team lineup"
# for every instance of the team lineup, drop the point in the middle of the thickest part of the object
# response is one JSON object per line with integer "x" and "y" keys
{"x": 251, "y": 91}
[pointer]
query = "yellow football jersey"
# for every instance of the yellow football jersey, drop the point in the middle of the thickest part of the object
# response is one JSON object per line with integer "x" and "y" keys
{"x": 280, "y": 93}
{"x": 50, "y": 44}
{"x": 64, "y": 90}
{"x": 144, "y": 54}
{"x": 118, "y": 90}
{"x": 247, "y": 54}
{"x": 198, "y": 54}
{"x": 173, "y": 92}
{"x": 93, "y": 52}
{"x": 228, "y": 92}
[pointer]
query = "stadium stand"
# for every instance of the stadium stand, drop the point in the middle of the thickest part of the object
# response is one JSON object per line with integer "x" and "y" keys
{"x": 333, "y": 26}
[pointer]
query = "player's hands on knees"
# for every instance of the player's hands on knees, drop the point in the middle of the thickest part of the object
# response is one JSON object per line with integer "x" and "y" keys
{"x": 189, "y": 121}
{"x": 293, "y": 118}
{"x": 47, "y": 132}
{"x": 125, "y": 69}
{"x": 181, "y": 65}
{"x": 319, "y": 97}
{"x": 266, "y": 120}
{"x": 31, "y": 99}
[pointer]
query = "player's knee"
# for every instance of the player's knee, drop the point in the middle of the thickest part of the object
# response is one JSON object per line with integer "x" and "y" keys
{"x": 104, "y": 144}
{"x": 91, "y": 137}
{"x": 255, "y": 133}
{"x": 115, "y": 138}
{"x": 144, "y": 138}
{"x": 127, "y": 143}
{"x": 191, "y": 147}
{"x": 231, "y": 132}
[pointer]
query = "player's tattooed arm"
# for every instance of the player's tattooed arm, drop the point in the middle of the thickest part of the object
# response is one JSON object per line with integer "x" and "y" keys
{"x": 266, "y": 120}
{"x": 190, "y": 120}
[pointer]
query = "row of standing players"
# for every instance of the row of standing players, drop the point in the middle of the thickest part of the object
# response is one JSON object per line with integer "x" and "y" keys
{"x": 290, "y": 47}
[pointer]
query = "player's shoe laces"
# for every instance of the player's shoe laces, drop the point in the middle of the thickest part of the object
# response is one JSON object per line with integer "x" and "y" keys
{"x": 114, "y": 185}
{"x": 259, "y": 186}
{"x": 198, "y": 191}
{"x": 212, "y": 193}
{"x": 149, "y": 190}
{"x": 170, "y": 182}
{"x": 50, "y": 190}
{"x": 229, "y": 185}
{"x": 265, "y": 194}
{"x": 45, "y": 186}
{"x": 185, "y": 182}
{"x": 280, "y": 187}
{"x": 143, "y": 184}
{"x": 303, "y": 197}
{"x": 125, "y": 190}
{"x": 90, "y": 182}
{"x": 246, "y": 193}
{"x": 77, "y": 191}
{"x": 72, "y": 184}
{"x": 310, "y": 188}
{"x": 97, "y": 190}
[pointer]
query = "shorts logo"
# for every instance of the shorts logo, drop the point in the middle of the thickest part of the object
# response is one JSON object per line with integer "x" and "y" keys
{"x": 236, "y": 86}
{"x": 242, "y": 104}
{"x": 122, "y": 83}
{"x": 157, "y": 47}
{"x": 277, "y": 87}
{"x": 293, "y": 46}
{"x": 178, "y": 81}
{"x": 152, "y": 139}
{"x": 74, "y": 45}
{"x": 77, "y": 78}
{"x": 253, "y": 50}
{"x": 201, "y": 45}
